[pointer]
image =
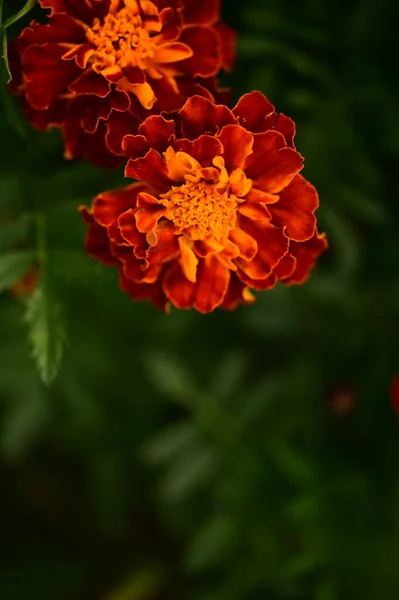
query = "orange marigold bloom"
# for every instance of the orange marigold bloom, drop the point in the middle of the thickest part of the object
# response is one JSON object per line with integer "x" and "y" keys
{"x": 220, "y": 207}
{"x": 98, "y": 67}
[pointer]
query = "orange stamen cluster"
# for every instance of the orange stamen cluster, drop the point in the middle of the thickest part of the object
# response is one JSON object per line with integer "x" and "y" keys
{"x": 198, "y": 207}
{"x": 122, "y": 40}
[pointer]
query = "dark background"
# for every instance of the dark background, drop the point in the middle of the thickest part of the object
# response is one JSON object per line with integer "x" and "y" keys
{"x": 234, "y": 456}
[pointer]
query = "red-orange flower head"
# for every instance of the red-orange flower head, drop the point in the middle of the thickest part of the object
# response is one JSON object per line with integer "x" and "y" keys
{"x": 219, "y": 208}
{"x": 99, "y": 66}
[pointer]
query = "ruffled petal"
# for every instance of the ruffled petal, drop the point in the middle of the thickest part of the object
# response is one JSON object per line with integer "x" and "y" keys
{"x": 200, "y": 115}
{"x": 151, "y": 168}
{"x": 256, "y": 212}
{"x": 237, "y": 293}
{"x": 204, "y": 44}
{"x": 144, "y": 291}
{"x": 252, "y": 110}
{"x": 131, "y": 235}
{"x": 227, "y": 44}
{"x": 212, "y": 283}
{"x": 188, "y": 260}
{"x": 205, "y": 12}
{"x": 46, "y": 75}
{"x": 171, "y": 52}
{"x": 177, "y": 288}
{"x": 148, "y": 213}
{"x": 164, "y": 245}
{"x": 90, "y": 83}
{"x": 203, "y": 149}
{"x": 159, "y": 132}
{"x": 97, "y": 241}
{"x": 237, "y": 144}
{"x": 306, "y": 254}
{"x": 285, "y": 267}
{"x": 246, "y": 244}
{"x": 108, "y": 206}
{"x": 272, "y": 165}
{"x": 295, "y": 209}
{"x": 272, "y": 246}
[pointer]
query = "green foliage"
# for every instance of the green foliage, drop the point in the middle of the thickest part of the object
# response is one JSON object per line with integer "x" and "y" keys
{"x": 46, "y": 331}
{"x": 13, "y": 266}
{"x": 233, "y": 456}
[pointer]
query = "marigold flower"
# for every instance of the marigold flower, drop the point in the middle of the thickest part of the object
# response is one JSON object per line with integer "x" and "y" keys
{"x": 220, "y": 207}
{"x": 98, "y": 67}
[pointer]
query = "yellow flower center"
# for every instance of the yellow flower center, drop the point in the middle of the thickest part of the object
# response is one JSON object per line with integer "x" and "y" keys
{"x": 123, "y": 39}
{"x": 197, "y": 207}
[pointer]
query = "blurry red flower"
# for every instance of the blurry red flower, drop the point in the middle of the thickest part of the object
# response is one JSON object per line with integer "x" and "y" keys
{"x": 394, "y": 393}
{"x": 98, "y": 67}
{"x": 219, "y": 208}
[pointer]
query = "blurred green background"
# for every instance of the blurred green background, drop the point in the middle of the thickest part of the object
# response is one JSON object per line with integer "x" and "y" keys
{"x": 235, "y": 456}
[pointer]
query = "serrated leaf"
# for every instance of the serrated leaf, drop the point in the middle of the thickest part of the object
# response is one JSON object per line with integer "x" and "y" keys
{"x": 21, "y": 13}
{"x": 13, "y": 266}
{"x": 46, "y": 331}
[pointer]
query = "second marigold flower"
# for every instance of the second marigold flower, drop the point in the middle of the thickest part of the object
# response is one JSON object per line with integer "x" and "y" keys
{"x": 98, "y": 67}
{"x": 220, "y": 207}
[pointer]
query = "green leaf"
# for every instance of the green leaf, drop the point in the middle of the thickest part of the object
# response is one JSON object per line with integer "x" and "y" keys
{"x": 46, "y": 331}
{"x": 21, "y": 13}
{"x": 13, "y": 266}
{"x": 214, "y": 541}
{"x": 72, "y": 265}
{"x": 14, "y": 233}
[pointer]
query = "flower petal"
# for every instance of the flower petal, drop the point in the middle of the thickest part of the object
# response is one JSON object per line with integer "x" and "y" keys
{"x": 295, "y": 209}
{"x": 46, "y": 74}
{"x": 285, "y": 267}
{"x": 144, "y": 291}
{"x": 272, "y": 246}
{"x": 188, "y": 260}
{"x": 237, "y": 144}
{"x": 151, "y": 168}
{"x": 164, "y": 245}
{"x": 306, "y": 254}
{"x": 251, "y": 111}
{"x": 212, "y": 283}
{"x": 177, "y": 288}
{"x": 203, "y": 149}
{"x": 130, "y": 233}
{"x": 237, "y": 293}
{"x": 246, "y": 244}
{"x": 206, "y": 12}
{"x": 90, "y": 82}
{"x": 149, "y": 212}
{"x": 200, "y": 115}
{"x": 97, "y": 241}
{"x": 272, "y": 165}
{"x": 108, "y": 206}
{"x": 204, "y": 44}
{"x": 257, "y": 212}
{"x": 158, "y": 131}
{"x": 171, "y": 52}
{"x": 227, "y": 44}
